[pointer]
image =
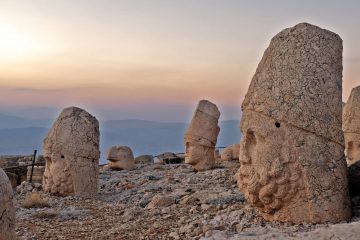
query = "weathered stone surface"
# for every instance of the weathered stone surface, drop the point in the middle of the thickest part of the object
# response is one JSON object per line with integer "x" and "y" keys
{"x": 160, "y": 201}
{"x": 71, "y": 151}
{"x": 7, "y": 209}
{"x": 351, "y": 126}
{"x": 292, "y": 151}
{"x": 201, "y": 136}
{"x": 144, "y": 159}
{"x": 38, "y": 173}
{"x": 164, "y": 158}
{"x": 121, "y": 157}
{"x": 231, "y": 153}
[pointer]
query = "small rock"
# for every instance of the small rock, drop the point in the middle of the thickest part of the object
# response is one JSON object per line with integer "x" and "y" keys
{"x": 161, "y": 201}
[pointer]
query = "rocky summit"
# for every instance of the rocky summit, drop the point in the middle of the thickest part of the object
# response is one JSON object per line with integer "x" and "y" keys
{"x": 162, "y": 201}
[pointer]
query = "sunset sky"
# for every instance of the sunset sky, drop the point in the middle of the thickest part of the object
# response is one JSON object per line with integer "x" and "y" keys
{"x": 150, "y": 59}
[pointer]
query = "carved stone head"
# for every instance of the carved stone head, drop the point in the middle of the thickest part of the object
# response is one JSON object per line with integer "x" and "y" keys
{"x": 230, "y": 153}
{"x": 71, "y": 151}
{"x": 351, "y": 126}
{"x": 201, "y": 136}
{"x": 291, "y": 153}
{"x": 121, "y": 157}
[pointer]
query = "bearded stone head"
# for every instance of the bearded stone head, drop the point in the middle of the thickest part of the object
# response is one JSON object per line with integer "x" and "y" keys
{"x": 291, "y": 153}
{"x": 269, "y": 174}
{"x": 71, "y": 151}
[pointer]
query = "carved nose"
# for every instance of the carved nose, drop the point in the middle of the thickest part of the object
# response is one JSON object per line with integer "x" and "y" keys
{"x": 244, "y": 155}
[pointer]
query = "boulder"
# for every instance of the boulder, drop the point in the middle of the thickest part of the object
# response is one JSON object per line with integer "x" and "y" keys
{"x": 231, "y": 153}
{"x": 144, "y": 159}
{"x": 7, "y": 208}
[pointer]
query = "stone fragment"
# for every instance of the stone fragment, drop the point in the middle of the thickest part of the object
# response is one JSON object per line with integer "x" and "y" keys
{"x": 71, "y": 151}
{"x": 121, "y": 157}
{"x": 231, "y": 153}
{"x": 201, "y": 136}
{"x": 144, "y": 159}
{"x": 292, "y": 151}
{"x": 160, "y": 201}
{"x": 168, "y": 158}
{"x": 38, "y": 173}
{"x": 351, "y": 126}
{"x": 7, "y": 209}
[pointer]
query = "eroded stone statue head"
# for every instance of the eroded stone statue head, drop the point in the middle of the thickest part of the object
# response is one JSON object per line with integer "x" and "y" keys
{"x": 231, "y": 153}
{"x": 71, "y": 151}
{"x": 351, "y": 126}
{"x": 292, "y": 166}
{"x": 201, "y": 136}
{"x": 121, "y": 157}
{"x": 7, "y": 208}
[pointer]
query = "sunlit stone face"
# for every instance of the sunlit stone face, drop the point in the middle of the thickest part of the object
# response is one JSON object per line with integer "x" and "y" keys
{"x": 352, "y": 148}
{"x": 290, "y": 174}
{"x": 193, "y": 153}
{"x": 265, "y": 164}
{"x": 202, "y": 157}
{"x": 57, "y": 176}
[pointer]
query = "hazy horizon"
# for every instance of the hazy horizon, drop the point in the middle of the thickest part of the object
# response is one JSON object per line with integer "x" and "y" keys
{"x": 151, "y": 60}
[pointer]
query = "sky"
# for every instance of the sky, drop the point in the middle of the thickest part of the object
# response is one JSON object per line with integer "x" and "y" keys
{"x": 150, "y": 59}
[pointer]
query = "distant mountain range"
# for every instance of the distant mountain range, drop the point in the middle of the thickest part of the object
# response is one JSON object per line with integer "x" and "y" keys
{"x": 22, "y": 136}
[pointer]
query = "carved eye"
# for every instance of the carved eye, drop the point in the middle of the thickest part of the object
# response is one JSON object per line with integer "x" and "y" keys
{"x": 62, "y": 156}
{"x": 277, "y": 124}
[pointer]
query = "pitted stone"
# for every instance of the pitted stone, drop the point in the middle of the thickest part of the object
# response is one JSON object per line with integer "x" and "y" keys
{"x": 71, "y": 151}
{"x": 291, "y": 154}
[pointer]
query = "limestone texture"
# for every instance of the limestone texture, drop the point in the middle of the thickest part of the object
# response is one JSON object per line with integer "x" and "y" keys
{"x": 292, "y": 160}
{"x": 351, "y": 126}
{"x": 7, "y": 208}
{"x": 231, "y": 153}
{"x": 201, "y": 136}
{"x": 121, "y": 157}
{"x": 38, "y": 174}
{"x": 71, "y": 151}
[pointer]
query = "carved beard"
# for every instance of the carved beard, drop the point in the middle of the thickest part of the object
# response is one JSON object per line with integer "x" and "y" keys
{"x": 58, "y": 179}
{"x": 269, "y": 188}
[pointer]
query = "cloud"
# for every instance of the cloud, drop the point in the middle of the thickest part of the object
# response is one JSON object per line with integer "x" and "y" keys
{"x": 43, "y": 90}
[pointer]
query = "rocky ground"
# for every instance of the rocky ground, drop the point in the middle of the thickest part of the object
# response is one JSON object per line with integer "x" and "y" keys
{"x": 163, "y": 202}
